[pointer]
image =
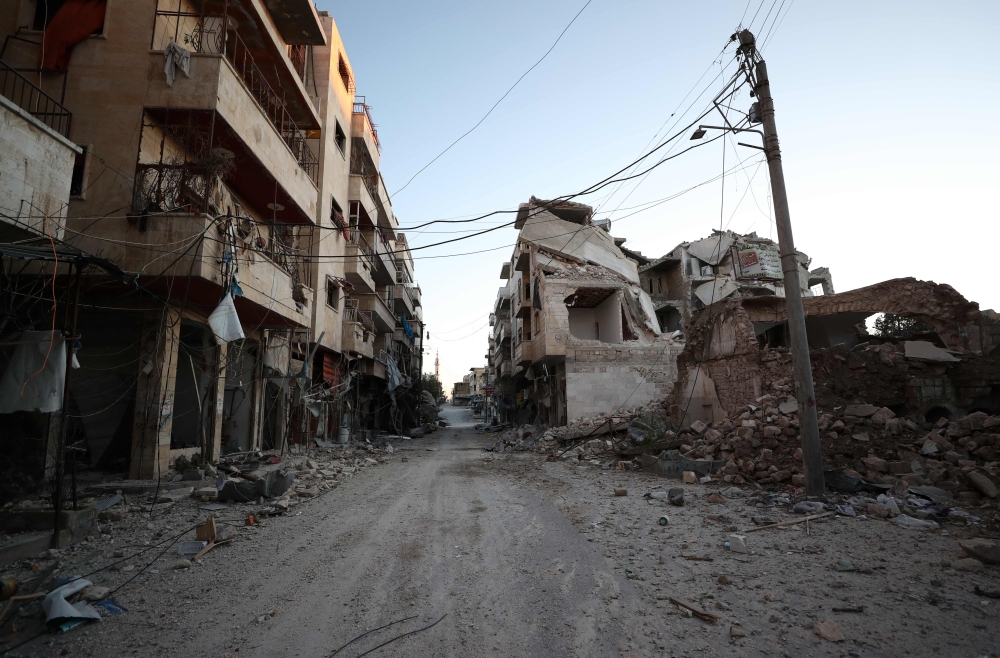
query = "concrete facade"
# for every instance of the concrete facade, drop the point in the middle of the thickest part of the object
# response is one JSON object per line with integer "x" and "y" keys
{"x": 216, "y": 184}
{"x": 36, "y": 169}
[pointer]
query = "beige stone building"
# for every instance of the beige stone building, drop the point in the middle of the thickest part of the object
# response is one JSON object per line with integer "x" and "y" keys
{"x": 216, "y": 151}
{"x": 573, "y": 332}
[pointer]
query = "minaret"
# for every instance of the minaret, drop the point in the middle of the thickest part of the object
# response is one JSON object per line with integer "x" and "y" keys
{"x": 437, "y": 365}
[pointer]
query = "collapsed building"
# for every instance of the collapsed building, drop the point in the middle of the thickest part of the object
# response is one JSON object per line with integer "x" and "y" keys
{"x": 573, "y": 332}
{"x": 736, "y": 352}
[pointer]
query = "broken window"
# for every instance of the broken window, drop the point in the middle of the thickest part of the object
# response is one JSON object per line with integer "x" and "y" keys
{"x": 596, "y": 314}
{"x": 345, "y": 75}
{"x": 332, "y": 294}
{"x": 81, "y": 166}
{"x": 340, "y": 137}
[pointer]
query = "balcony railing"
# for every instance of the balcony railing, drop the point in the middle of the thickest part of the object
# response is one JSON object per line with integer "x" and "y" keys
{"x": 171, "y": 188}
{"x": 358, "y": 239}
{"x": 22, "y": 92}
{"x": 364, "y": 318}
{"x": 361, "y": 107}
{"x": 217, "y": 35}
{"x": 190, "y": 188}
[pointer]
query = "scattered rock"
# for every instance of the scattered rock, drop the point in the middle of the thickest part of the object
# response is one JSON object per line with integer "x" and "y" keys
{"x": 983, "y": 484}
{"x": 182, "y": 564}
{"x": 861, "y": 411}
{"x": 984, "y": 550}
{"x": 829, "y": 630}
{"x": 736, "y": 631}
{"x": 967, "y": 564}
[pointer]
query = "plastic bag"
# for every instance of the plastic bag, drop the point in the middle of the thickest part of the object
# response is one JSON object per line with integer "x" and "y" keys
{"x": 225, "y": 322}
{"x": 906, "y": 521}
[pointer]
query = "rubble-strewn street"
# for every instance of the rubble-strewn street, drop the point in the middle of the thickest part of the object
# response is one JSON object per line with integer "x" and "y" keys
{"x": 521, "y": 556}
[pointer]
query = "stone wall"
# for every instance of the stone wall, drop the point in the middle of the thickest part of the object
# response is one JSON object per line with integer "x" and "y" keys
{"x": 36, "y": 167}
{"x": 604, "y": 378}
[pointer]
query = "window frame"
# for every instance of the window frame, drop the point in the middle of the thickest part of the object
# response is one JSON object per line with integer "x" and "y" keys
{"x": 332, "y": 285}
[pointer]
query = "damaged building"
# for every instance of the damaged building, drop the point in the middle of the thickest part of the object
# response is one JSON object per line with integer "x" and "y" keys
{"x": 736, "y": 352}
{"x": 697, "y": 274}
{"x": 573, "y": 333}
{"x": 206, "y": 226}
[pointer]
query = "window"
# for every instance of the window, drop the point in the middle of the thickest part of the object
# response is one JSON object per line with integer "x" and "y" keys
{"x": 81, "y": 173}
{"x": 332, "y": 293}
{"x": 336, "y": 214}
{"x": 340, "y": 138}
{"x": 345, "y": 75}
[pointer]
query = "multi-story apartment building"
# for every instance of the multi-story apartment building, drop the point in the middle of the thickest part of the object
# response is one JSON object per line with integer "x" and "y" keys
{"x": 223, "y": 161}
{"x": 573, "y": 332}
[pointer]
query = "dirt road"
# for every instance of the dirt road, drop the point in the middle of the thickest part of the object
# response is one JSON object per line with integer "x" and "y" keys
{"x": 519, "y": 557}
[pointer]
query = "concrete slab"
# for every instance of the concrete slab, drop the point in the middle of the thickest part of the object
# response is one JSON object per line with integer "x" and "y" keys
{"x": 925, "y": 351}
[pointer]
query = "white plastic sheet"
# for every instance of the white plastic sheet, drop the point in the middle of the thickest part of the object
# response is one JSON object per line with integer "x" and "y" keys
{"x": 225, "y": 322}
{"x": 44, "y": 387}
{"x": 56, "y": 607}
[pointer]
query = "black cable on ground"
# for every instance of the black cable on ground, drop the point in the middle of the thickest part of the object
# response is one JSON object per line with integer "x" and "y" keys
{"x": 399, "y": 637}
{"x": 391, "y": 623}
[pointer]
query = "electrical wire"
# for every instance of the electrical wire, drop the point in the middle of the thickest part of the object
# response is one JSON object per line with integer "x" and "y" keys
{"x": 463, "y": 136}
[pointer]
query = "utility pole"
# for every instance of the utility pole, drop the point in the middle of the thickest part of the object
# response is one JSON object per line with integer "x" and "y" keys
{"x": 812, "y": 455}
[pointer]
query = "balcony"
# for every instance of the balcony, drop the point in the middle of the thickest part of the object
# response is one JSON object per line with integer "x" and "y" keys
{"x": 501, "y": 330}
{"x": 272, "y": 261}
{"x": 402, "y": 300}
{"x": 359, "y": 261}
{"x": 385, "y": 264}
{"x": 230, "y": 96}
{"x": 501, "y": 308}
{"x": 22, "y": 92}
{"x": 359, "y": 333}
{"x": 364, "y": 128}
{"x": 377, "y": 305}
{"x": 523, "y": 354}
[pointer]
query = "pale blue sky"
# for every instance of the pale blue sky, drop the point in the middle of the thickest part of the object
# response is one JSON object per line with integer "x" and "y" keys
{"x": 886, "y": 112}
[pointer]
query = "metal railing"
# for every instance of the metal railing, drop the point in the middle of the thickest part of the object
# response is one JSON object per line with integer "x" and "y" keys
{"x": 171, "y": 188}
{"x": 361, "y": 107}
{"x": 26, "y": 95}
{"x": 217, "y": 35}
{"x": 364, "y": 318}
{"x": 358, "y": 239}
{"x": 297, "y": 56}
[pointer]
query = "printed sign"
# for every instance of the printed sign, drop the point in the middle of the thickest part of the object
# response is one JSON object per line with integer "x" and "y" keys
{"x": 759, "y": 261}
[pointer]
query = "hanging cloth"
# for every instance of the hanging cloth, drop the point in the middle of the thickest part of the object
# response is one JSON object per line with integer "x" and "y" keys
{"x": 75, "y": 21}
{"x": 176, "y": 57}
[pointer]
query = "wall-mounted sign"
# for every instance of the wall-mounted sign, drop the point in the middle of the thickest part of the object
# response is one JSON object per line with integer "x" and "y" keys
{"x": 758, "y": 261}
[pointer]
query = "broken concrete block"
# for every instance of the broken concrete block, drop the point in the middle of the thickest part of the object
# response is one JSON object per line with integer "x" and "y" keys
{"x": 788, "y": 407}
{"x": 860, "y": 410}
{"x": 882, "y": 415}
{"x": 983, "y": 484}
{"x": 984, "y": 550}
{"x": 922, "y": 350}
{"x": 737, "y": 543}
{"x": 689, "y": 477}
{"x": 619, "y": 491}
{"x": 967, "y": 564}
{"x": 174, "y": 496}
